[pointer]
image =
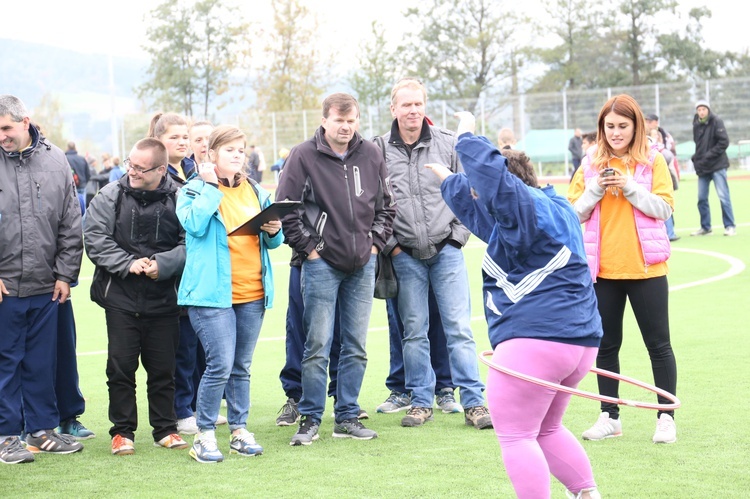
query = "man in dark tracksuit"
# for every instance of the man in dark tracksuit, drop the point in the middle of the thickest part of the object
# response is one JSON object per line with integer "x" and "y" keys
{"x": 134, "y": 238}
{"x": 345, "y": 220}
{"x": 40, "y": 255}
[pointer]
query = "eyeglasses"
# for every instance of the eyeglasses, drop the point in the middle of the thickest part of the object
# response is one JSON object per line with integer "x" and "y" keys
{"x": 137, "y": 169}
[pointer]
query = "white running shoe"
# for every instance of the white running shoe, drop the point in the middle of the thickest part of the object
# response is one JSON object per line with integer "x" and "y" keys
{"x": 187, "y": 426}
{"x": 605, "y": 427}
{"x": 666, "y": 430}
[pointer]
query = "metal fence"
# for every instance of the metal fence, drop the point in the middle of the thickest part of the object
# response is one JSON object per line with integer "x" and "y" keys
{"x": 674, "y": 103}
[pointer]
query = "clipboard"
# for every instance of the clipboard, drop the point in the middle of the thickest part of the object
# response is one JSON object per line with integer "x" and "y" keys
{"x": 274, "y": 211}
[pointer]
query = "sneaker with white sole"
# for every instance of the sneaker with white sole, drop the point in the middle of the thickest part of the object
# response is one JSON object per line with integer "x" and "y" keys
{"x": 730, "y": 231}
{"x": 666, "y": 430}
{"x": 187, "y": 426}
{"x": 53, "y": 443}
{"x": 591, "y": 493}
{"x": 205, "y": 449}
{"x": 701, "y": 232}
{"x": 307, "y": 432}
{"x": 395, "y": 402}
{"x": 353, "y": 428}
{"x": 605, "y": 427}
{"x": 75, "y": 429}
{"x": 446, "y": 401}
{"x": 122, "y": 446}
{"x": 289, "y": 414}
{"x": 220, "y": 420}
{"x": 244, "y": 444}
{"x": 13, "y": 452}
{"x": 172, "y": 441}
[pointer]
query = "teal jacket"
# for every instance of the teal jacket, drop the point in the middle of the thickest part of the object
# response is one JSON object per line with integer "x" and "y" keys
{"x": 207, "y": 278}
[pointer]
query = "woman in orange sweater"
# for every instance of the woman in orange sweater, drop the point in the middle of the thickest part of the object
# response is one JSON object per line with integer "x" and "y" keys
{"x": 622, "y": 194}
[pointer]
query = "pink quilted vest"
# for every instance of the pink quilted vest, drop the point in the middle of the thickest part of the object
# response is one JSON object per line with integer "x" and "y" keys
{"x": 652, "y": 234}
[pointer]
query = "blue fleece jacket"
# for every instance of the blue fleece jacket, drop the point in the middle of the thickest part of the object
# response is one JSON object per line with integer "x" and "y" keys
{"x": 536, "y": 279}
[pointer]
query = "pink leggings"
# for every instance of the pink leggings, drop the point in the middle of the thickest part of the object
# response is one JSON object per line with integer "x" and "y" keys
{"x": 528, "y": 418}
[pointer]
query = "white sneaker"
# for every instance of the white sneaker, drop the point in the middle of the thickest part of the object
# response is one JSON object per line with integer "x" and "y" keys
{"x": 666, "y": 430}
{"x": 605, "y": 427}
{"x": 187, "y": 426}
{"x": 221, "y": 420}
{"x": 585, "y": 493}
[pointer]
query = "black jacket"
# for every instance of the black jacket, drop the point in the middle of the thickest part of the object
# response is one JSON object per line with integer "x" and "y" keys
{"x": 711, "y": 142}
{"x": 79, "y": 165}
{"x": 348, "y": 207}
{"x": 123, "y": 225}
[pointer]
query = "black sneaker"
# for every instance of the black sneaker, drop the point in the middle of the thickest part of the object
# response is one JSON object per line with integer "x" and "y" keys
{"x": 353, "y": 428}
{"x": 307, "y": 432}
{"x": 417, "y": 416}
{"x": 289, "y": 413}
{"x": 52, "y": 442}
{"x": 12, "y": 452}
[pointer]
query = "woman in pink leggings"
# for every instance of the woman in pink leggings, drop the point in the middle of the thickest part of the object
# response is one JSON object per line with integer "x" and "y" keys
{"x": 540, "y": 308}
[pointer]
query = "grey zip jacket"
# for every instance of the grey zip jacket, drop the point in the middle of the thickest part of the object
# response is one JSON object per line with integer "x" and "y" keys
{"x": 40, "y": 219}
{"x": 423, "y": 220}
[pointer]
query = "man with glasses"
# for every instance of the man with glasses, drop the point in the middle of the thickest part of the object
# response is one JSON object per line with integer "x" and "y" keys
{"x": 133, "y": 237}
{"x": 40, "y": 255}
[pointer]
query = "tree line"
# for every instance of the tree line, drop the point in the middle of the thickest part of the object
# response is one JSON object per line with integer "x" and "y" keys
{"x": 465, "y": 49}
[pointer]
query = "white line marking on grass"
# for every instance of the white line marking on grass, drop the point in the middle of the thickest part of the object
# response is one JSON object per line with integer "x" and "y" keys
{"x": 736, "y": 266}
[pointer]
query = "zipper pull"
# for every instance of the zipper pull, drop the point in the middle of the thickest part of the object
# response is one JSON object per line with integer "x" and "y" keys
{"x": 38, "y": 190}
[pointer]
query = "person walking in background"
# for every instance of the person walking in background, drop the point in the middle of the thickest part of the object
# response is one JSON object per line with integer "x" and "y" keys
{"x": 133, "y": 237}
{"x": 623, "y": 194}
{"x": 227, "y": 286}
{"x": 345, "y": 220}
{"x": 711, "y": 163}
{"x": 666, "y": 145}
{"x": 80, "y": 168}
{"x": 575, "y": 147}
{"x": 279, "y": 164}
{"x": 426, "y": 252}
{"x": 40, "y": 256}
{"x": 529, "y": 232}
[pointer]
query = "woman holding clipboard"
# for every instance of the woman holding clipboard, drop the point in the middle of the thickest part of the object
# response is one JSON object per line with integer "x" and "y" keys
{"x": 227, "y": 285}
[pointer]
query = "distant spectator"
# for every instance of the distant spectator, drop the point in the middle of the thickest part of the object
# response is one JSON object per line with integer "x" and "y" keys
{"x": 711, "y": 163}
{"x": 80, "y": 168}
{"x": 117, "y": 170}
{"x": 506, "y": 139}
{"x": 279, "y": 165}
{"x": 575, "y": 146}
{"x": 253, "y": 163}
{"x": 92, "y": 186}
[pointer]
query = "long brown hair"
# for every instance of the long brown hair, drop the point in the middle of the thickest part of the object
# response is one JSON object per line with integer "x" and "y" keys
{"x": 638, "y": 149}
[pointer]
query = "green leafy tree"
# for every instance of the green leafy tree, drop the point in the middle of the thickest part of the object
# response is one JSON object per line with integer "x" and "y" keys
{"x": 172, "y": 74}
{"x": 642, "y": 30}
{"x": 463, "y": 48}
{"x": 293, "y": 79}
{"x": 378, "y": 66}
{"x": 48, "y": 117}
{"x": 223, "y": 41}
{"x": 194, "y": 49}
{"x": 685, "y": 54}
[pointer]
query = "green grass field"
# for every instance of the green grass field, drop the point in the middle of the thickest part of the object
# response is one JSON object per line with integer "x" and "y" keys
{"x": 446, "y": 458}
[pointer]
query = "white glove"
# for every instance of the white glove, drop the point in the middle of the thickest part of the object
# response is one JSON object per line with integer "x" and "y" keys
{"x": 466, "y": 123}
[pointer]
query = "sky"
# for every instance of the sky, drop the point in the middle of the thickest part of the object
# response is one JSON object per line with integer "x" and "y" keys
{"x": 119, "y": 28}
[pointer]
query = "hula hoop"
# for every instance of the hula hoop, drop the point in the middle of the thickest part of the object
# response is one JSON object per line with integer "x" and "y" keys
{"x": 589, "y": 395}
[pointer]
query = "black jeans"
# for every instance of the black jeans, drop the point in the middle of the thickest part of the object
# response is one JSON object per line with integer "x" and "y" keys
{"x": 154, "y": 339}
{"x": 649, "y": 301}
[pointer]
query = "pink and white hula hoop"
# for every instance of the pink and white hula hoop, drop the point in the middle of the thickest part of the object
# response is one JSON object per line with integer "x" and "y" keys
{"x": 483, "y": 357}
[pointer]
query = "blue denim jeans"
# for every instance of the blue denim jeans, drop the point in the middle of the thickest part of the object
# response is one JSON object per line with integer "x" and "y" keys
{"x": 322, "y": 287}
{"x": 722, "y": 190}
{"x": 669, "y": 225}
{"x": 228, "y": 336}
{"x": 446, "y": 273}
